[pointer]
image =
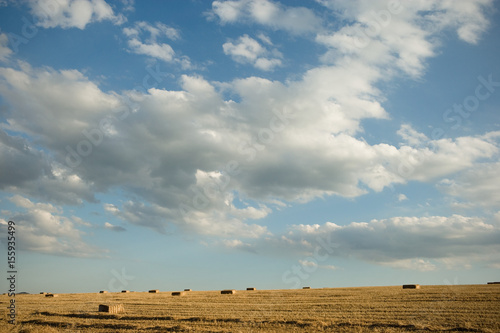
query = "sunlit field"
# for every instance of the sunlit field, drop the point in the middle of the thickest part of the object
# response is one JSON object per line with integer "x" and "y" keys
{"x": 467, "y": 308}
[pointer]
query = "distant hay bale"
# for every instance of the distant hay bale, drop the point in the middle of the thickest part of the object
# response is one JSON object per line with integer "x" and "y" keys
{"x": 187, "y": 289}
{"x": 251, "y": 288}
{"x": 306, "y": 287}
{"x": 154, "y": 291}
{"x": 103, "y": 292}
{"x": 50, "y": 295}
{"x": 110, "y": 308}
{"x": 411, "y": 286}
{"x": 125, "y": 291}
{"x": 43, "y": 293}
{"x": 228, "y": 292}
{"x": 178, "y": 293}
{"x": 493, "y": 282}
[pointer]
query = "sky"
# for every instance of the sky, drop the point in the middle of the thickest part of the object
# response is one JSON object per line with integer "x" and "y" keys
{"x": 249, "y": 143}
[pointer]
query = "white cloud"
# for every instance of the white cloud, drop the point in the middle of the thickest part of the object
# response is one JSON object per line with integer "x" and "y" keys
{"x": 248, "y": 51}
{"x": 112, "y": 227}
{"x": 397, "y": 35}
{"x": 232, "y": 149}
{"x": 143, "y": 39}
{"x": 297, "y": 20}
{"x": 196, "y": 149}
{"x": 402, "y": 197}
{"x": 478, "y": 186}
{"x": 311, "y": 263}
{"x": 155, "y": 31}
{"x": 43, "y": 229}
{"x": 160, "y": 51}
{"x": 412, "y": 264}
{"x": 72, "y": 13}
{"x": 5, "y": 51}
{"x": 414, "y": 243}
{"x": 28, "y": 171}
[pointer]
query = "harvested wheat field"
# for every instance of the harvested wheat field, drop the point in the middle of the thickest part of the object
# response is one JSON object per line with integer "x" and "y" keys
{"x": 467, "y": 308}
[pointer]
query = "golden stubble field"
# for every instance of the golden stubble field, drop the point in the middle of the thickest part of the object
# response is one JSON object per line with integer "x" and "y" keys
{"x": 457, "y": 308}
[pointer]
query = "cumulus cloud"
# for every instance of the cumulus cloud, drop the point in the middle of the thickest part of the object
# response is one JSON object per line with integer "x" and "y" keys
{"x": 414, "y": 243}
{"x": 72, "y": 13}
{"x": 312, "y": 263}
{"x": 155, "y": 31}
{"x": 42, "y": 228}
{"x": 248, "y": 51}
{"x": 144, "y": 39}
{"x": 198, "y": 161}
{"x": 5, "y": 51}
{"x": 478, "y": 186}
{"x": 297, "y": 20}
{"x": 204, "y": 153}
{"x": 28, "y": 171}
{"x": 412, "y": 264}
{"x": 112, "y": 227}
{"x": 396, "y": 34}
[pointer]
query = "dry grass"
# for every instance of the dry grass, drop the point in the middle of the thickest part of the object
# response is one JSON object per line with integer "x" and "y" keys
{"x": 372, "y": 309}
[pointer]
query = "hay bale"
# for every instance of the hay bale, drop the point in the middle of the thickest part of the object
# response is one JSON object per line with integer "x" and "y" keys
{"x": 125, "y": 291}
{"x": 493, "y": 282}
{"x": 43, "y": 293}
{"x": 50, "y": 295}
{"x": 187, "y": 289}
{"x": 103, "y": 292}
{"x": 306, "y": 287}
{"x": 411, "y": 286}
{"x": 228, "y": 292}
{"x": 178, "y": 293}
{"x": 251, "y": 288}
{"x": 154, "y": 291}
{"x": 110, "y": 308}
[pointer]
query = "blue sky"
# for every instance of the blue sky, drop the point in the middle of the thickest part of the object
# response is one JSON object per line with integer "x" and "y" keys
{"x": 227, "y": 144}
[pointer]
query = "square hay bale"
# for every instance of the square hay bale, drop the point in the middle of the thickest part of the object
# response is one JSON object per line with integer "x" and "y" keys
{"x": 251, "y": 288}
{"x": 306, "y": 287}
{"x": 125, "y": 291}
{"x": 103, "y": 292}
{"x": 178, "y": 293}
{"x": 50, "y": 295}
{"x": 494, "y": 282}
{"x": 110, "y": 308}
{"x": 411, "y": 286}
{"x": 187, "y": 289}
{"x": 228, "y": 292}
{"x": 154, "y": 291}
